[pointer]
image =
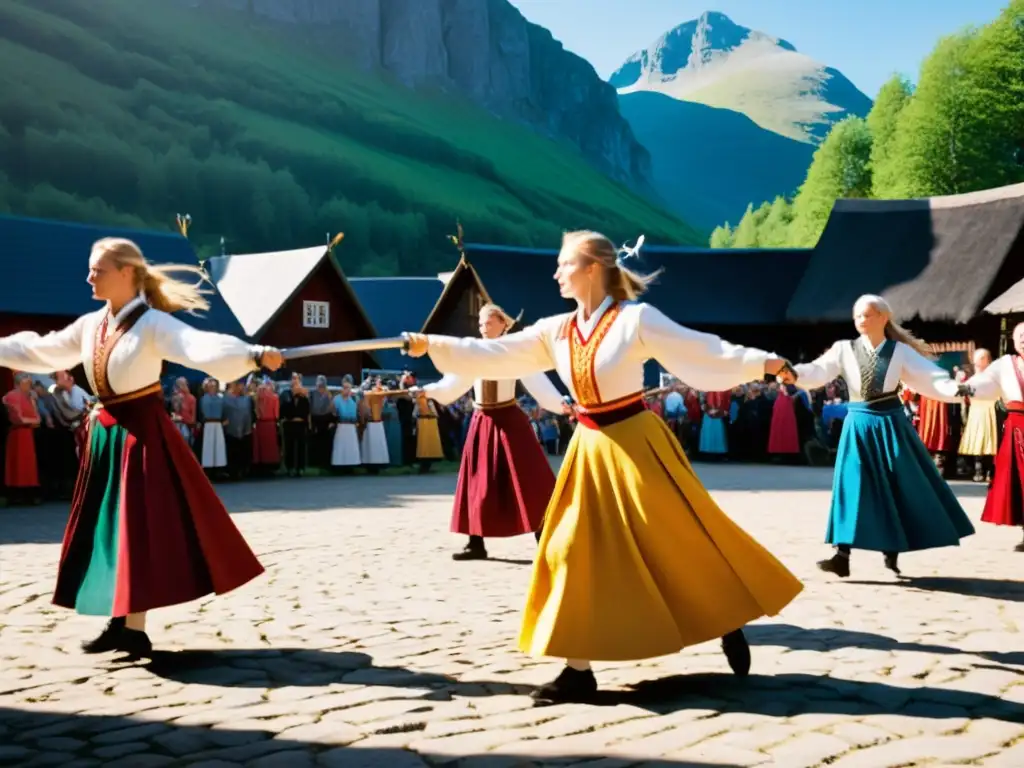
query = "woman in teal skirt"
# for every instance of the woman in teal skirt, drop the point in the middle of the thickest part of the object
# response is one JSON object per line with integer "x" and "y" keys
{"x": 887, "y": 495}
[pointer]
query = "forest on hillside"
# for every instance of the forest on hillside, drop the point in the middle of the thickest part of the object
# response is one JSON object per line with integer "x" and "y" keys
{"x": 131, "y": 111}
{"x": 960, "y": 130}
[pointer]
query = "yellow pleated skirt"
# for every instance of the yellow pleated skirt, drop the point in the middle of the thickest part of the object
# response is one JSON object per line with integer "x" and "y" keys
{"x": 636, "y": 560}
{"x": 428, "y": 439}
{"x": 981, "y": 432}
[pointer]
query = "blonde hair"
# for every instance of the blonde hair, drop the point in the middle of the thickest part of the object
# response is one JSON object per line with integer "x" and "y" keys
{"x": 489, "y": 310}
{"x": 621, "y": 283}
{"x": 162, "y": 291}
{"x": 894, "y": 330}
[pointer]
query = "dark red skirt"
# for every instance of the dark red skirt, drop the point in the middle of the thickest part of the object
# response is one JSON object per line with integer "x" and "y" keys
{"x": 20, "y": 467}
{"x": 1005, "y": 502}
{"x": 265, "y": 449}
{"x": 784, "y": 437}
{"x": 147, "y": 530}
{"x": 505, "y": 480}
{"x": 933, "y": 425}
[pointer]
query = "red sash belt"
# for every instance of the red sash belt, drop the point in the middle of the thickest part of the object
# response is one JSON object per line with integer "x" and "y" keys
{"x": 596, "y": 417}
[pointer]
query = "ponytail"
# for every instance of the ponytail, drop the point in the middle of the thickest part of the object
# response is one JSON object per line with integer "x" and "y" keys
{"x": 626, "y": 285}
{"x": 167, "y": 294}
{"x": 897, "y": 332}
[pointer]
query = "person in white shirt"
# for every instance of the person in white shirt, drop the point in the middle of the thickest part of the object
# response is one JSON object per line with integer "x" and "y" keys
{"x": 635, "y": 560}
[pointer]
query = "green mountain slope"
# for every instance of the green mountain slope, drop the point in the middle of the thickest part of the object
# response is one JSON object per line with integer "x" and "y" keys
{"x": 129, "y": 111}
{"x": 713, "y": 162}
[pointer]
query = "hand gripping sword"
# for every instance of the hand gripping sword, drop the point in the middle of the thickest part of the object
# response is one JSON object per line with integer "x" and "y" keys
{"x": 338, "y": 347}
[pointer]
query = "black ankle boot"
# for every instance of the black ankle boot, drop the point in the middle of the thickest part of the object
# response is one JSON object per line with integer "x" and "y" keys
{"x": 839, "y": 564}
{"x": 474, "y": 550}
{"x": 891, "y": 562}
{"x": 108, "y": 639}
{"x": 737, "y": 652}
{"x": 572, "y": 685}
{"x": 135, "y": 643}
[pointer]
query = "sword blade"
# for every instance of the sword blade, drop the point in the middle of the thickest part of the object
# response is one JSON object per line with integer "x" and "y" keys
{"x": 338, "y": 347}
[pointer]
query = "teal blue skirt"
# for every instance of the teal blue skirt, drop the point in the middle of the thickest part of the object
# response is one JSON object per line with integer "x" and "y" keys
{"x": 887, "y": 495}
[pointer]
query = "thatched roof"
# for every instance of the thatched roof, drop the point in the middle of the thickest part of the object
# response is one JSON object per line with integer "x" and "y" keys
{"x": 1009, "y": 303}
{"x": 940, "y": 258}
{"x": 699, "y": 286}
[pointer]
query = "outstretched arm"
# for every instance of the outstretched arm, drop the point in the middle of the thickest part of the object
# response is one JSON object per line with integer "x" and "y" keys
{"x": 32, "y": 353}
{"x": 449, "y": 389}
{"x": 224, "y": 357}
{"x": 512, "y": 356}
{"x": 985, "y": 385}
{"x": 544, "y": 392}
{"x": 928, "y": 379}
{"x": 820, "y": 372}
{"x": 702, "y": 360}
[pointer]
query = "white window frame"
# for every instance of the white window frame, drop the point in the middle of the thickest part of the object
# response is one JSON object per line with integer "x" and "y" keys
{"x": 316, "y": 314}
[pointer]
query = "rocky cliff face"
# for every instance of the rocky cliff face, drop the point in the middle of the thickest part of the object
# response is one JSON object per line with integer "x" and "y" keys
{"x": 483, "y": 49}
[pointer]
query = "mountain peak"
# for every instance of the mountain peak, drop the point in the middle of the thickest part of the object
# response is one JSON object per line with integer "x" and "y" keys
{"x": 713, "y": 60}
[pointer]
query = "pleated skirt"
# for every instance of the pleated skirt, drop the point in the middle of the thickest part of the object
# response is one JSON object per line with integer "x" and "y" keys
{"x": 428, "y": 438}
{"x": 1005, "y": 502}
{"x": 147, "y": 530}
{"x": 636, "y": 559}
{"x": 887, "y": 495}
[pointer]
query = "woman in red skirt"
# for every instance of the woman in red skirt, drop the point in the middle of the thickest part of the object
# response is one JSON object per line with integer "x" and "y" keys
{"x": 1004, "y": 379}
{"x": 146, "y": 529}
{"x": 21, "y": 470}
{"x": 505, "y": 480}
{"x": 784, "y": 438}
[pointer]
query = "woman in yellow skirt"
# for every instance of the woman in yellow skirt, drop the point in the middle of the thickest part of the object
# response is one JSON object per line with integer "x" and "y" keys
{"x": 981, "y": 432}
{"x": 636, "y": 560}
{"x": 428, "y": 436}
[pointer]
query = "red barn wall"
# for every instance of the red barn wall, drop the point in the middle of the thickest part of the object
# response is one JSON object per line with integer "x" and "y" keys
{"x": 345, "y": 323}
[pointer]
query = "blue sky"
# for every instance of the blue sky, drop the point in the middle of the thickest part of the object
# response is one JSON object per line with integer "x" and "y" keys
{"x": 867, "y": 41}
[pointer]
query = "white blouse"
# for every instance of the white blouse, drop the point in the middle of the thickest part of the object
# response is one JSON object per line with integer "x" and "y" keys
{"x": 606, "y": 364}
{"x": 998, "y": 381}
{"x": 907, "y": 365}
{"x": 136, "y": 358}
{"x": 451, "y": 387}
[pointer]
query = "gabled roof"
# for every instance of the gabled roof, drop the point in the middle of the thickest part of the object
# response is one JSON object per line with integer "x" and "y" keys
{"x": 1009, "y": 303}
{"x": 701, "y": 286}
{"x": 396, "y": 305}
{"x": 452, "y": 280}
{"x": 939, "y": 258}
{"x": 257, "y": 285}
{"x": 48, "y": 262}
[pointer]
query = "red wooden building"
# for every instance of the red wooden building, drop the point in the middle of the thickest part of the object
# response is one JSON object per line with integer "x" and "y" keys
{"x": 294, "y": 298}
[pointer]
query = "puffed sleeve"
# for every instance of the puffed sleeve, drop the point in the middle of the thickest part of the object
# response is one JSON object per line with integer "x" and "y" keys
{"x": 928, "y": 379}
{"x": 986, "y": 385}
{"x": 449, "y": 389}
{"x": 702, "y": 360}
{"x": 224, "y": 357}
{"x": 544, "y": 392}
{"x": 32, "y": 353}
{"x": 512, "y": 356}
{"x": 820, "y": 372}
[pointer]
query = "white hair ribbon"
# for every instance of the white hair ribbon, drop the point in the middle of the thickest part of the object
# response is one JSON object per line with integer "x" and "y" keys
{"x": 629, "y": 253}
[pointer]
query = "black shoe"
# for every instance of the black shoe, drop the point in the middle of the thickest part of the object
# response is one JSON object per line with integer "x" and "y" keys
{"x": 572, "y": 685}
{"x": 135, "y": 643}
{"x": 890, "y": 562}
{"x": 1019, "y": 547}
{"x": 108, "y": 639}
{"x": 471, "y": 553}
{"x": 837, "y": 564}
{"x": 737, "y": 652}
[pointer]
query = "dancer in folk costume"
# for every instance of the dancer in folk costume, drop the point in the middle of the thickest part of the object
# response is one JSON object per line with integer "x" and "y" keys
{"x": 146, "y": 530}
{"x": 21, "y": 465}
{"x": 428, "y": 436}
{"x": 373, "y": 447}
{"x": 980, "y": 440}
{"x": 1005, "y": 379}
{"x": 505, "y": 480}
{"x": 636, "y": 560}
{"x": 887, "y": 495}
{"x": 345, "y": 450}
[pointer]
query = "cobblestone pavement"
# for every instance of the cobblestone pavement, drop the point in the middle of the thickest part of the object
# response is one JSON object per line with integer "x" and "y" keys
{"x": 365, "y": 645}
